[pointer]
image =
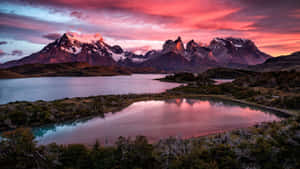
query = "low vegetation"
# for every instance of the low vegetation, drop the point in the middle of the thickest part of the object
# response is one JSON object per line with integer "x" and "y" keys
{"x": 288, "y": 81}
{"x": 226, "y": 73}
{"x": 69, "y": 69}
{"x": 28, "y": 114}
{"x": 274, "y": 89}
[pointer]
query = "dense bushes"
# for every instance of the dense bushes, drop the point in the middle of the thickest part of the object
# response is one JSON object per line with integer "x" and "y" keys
{"x": 27, "y": 114}
{"x": 227, "y": 73}
{"x": 281, "y": 80}
{"x": 222, "y": 89}
{"x": 288, "y": 102}
{"x": 220, "y": 156}
{"x": 18, "y": 150}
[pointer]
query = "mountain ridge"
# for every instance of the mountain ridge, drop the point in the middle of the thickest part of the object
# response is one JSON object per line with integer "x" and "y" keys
{"x": 174, "y": 56}
{"x": 280, "y": 63}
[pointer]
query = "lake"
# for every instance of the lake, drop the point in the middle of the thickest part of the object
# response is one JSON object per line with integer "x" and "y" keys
{"x": 221, "y": 81}
{"x": 157, "y": 119}
{"x": 52, "y": 88}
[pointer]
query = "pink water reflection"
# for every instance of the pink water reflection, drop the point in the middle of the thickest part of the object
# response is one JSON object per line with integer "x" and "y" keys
{"x": 158, "y": 119}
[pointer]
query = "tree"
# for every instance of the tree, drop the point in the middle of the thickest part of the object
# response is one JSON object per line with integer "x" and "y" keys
{"x": 18, "y": 150}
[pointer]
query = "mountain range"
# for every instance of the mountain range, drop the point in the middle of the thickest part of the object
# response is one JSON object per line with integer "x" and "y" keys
{"x": 174, "y": 56}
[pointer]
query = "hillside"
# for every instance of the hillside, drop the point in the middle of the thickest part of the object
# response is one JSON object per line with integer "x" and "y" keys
{"x": 226, "y": 73}
{"x": 62, "y": 69}
{"x": 281, "y": 63}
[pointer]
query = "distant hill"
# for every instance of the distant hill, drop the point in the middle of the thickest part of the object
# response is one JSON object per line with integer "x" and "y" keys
{"x": 281, "y": 63}
{"x": 68, "y": 69}
{"x": 6, "y": 74}
{"x": 287, "y": 80}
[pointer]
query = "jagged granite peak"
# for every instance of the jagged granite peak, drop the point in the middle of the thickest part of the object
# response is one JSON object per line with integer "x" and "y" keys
{"x": 116, "y": 49}
{"x": 191, "y": 45}
{"x": 178, "y": 40}
{"x": 197, "y": 53}
{"x": 74, "y": 47}
{"x": 176, "y": 46}
{"x": 91, "y": 48}
{"x": 73, "y": 43}
{"x": 236, "y": 51}
{"x": 179, "y": 44}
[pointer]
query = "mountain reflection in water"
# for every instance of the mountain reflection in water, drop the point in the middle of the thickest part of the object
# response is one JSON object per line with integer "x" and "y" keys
{"x": 157, "y": 119}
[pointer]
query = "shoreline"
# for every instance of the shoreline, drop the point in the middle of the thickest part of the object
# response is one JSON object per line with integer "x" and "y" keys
{"x": 26, "y": 77}
{"x": 128, "y": 100}
{"x": 208, "y": 134}
{"x": 104, "y": 75}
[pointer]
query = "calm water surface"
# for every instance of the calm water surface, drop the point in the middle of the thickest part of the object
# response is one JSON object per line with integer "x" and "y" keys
{"x": 221, "y": 81}
{"x": 51, "y": 88}
{"x": 157, "y": 119}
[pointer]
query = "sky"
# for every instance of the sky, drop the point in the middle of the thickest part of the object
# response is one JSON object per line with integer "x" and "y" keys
{"x": 26, "y": 26}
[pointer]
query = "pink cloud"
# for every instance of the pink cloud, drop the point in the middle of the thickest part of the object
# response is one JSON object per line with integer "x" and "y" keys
{"x": 2, "y": 53}
{"x": 266, "y": 22}
{"x": 140, "y": 50}
{"x": 77, "y": 14}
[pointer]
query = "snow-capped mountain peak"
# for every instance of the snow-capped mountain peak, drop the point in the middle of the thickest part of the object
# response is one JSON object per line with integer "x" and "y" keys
{"x": 86, "y": 44}
{"x": 84, "y": 38}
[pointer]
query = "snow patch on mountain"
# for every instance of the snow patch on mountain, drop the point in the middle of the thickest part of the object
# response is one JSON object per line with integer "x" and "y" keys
{"x": 238, "y": 46}
{"x": 138, "y": 60}
{"x": 66, "y": 49}
{"x": 220, "y": 40}
{"x": 117, "y": 57}
{"x": 73, "y": 50}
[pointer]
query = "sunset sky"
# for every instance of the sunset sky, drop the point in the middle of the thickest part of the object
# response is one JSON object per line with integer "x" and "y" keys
{"x": 27, "y": 25}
